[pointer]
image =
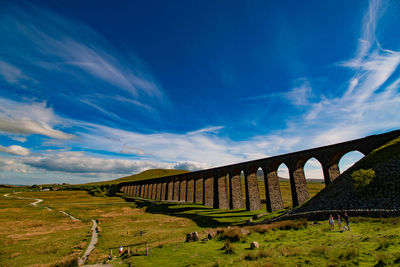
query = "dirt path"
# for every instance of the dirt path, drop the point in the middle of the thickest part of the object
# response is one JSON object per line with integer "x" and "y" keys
{"x": 92, "y": 244}
{"x": 93, "y": 241}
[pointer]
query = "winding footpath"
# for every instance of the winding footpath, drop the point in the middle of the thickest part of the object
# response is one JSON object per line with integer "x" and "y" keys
{"x": 92, "y": 244}
{"x": 93, "y": 241}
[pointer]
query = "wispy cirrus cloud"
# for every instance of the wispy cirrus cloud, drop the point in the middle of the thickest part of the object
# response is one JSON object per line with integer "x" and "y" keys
{"x": 69, "y": 59}
{"x": 370, "y": 102}
{"x": 11, "y": 73}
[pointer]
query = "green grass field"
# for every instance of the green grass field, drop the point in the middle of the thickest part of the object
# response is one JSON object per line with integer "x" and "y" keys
{"x": 35, "y": 236}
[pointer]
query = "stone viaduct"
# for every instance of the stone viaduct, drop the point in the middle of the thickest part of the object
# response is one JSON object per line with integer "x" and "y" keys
{"x": 221, "y": 187}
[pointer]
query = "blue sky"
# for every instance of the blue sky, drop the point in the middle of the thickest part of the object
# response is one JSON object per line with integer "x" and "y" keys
{"x": 94, "y": 90}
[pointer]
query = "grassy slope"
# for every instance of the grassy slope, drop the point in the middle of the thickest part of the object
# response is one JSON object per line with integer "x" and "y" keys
{"x": 370, "y": 241}
{"x": 149, "y": 174}
{"x": 385, "y": 153}
{"x": 379, "y": 155}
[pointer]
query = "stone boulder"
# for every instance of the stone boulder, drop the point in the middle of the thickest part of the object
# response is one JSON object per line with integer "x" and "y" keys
{"x": 254, "y": 245}
{"x": 192, "y": 237}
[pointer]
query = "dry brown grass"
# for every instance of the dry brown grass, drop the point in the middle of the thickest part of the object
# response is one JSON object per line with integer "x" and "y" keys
{"x": 289, "y": 251}
{"x": 14, "y": 255}
{"x": 233, "y": 234}
{"x": 32, "y": 229}
{"x": 67, "y": 261}
{"x": 283, "y": 225}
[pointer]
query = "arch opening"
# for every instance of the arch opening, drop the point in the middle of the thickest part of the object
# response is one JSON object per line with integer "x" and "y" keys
{"x": 314, "y": 176}
{"x": 261, "y": 187}
{"x": 284, "y": 184}
{"x": 349, "y": 159}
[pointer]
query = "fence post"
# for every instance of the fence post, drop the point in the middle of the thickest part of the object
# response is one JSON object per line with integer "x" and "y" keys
{"x": 147, "y": 248}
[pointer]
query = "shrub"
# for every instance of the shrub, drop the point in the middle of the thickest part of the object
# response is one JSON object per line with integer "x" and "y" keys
{"x": 228, "y": 247}
{"x": 283, "y": 225}
{"x": 261, "y": 228}
{"x": 362, "y": 178}
{"x": 233, "y": 234}
{"x": 287, "y": 225}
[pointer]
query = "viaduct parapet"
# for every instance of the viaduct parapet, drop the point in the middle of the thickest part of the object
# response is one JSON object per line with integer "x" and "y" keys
{"x": 221, "y": 187}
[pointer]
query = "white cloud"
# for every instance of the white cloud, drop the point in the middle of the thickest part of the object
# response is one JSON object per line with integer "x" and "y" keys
{"x": 78, "y": 162}
{"x": 191, "y": 166}
{"x": 29, "y": 118}
{"x": 13, "y": 165}
{"x": 300, "y": 95}
{"x": 212, "y": 129}
{"x": 11, "y": 73}
{"x": 200, "y": 146}
{"x": 18, "y": 138}
{"x": 15, "y": 150}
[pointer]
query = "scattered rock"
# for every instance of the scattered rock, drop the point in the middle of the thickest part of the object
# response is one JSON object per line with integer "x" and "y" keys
{"x": 211, "y": 235}
{"x": 188, "y": 237}
{"x": 254, "y": 245}
{"x": 195, "y": 236}
{"x": 192, "y": 237}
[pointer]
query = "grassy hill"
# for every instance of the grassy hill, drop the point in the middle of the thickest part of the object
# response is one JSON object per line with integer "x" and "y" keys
{"x": 149, "y": 174}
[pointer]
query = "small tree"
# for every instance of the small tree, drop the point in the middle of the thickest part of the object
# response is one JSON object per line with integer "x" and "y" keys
{"x": 362, "y": 178}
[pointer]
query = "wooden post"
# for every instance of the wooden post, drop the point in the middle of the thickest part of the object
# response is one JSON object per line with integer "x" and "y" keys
{"x": 147, "y": 248}
{"x": 111, "y": 252}
{"x": 129, "y": 252}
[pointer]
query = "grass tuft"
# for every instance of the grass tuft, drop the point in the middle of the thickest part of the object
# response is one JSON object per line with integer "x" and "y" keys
{"x": 348, "y": 253}
{"x": 383, "y": 244}
{"x": 228, "y": 247}
{"x": 234, "y": 234}
{"x": 381, "y": 258}
{"x": 259, "y": 254}
{"x": 283, "y": 225}
{"x": 320, "y": 250}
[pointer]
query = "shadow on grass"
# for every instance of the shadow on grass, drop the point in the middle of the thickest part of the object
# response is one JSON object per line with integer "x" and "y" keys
{"x": 202, "y": 216}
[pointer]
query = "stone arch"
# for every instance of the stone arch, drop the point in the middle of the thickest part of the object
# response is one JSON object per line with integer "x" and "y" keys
{"x": 313, "y": 164}
{"x": 314, "y": 174}
{"x": 345, "y": 162}
{"x": 340, "y": 153}
{"x": 331, "y": 167}
{"x": 281, "y": 170}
